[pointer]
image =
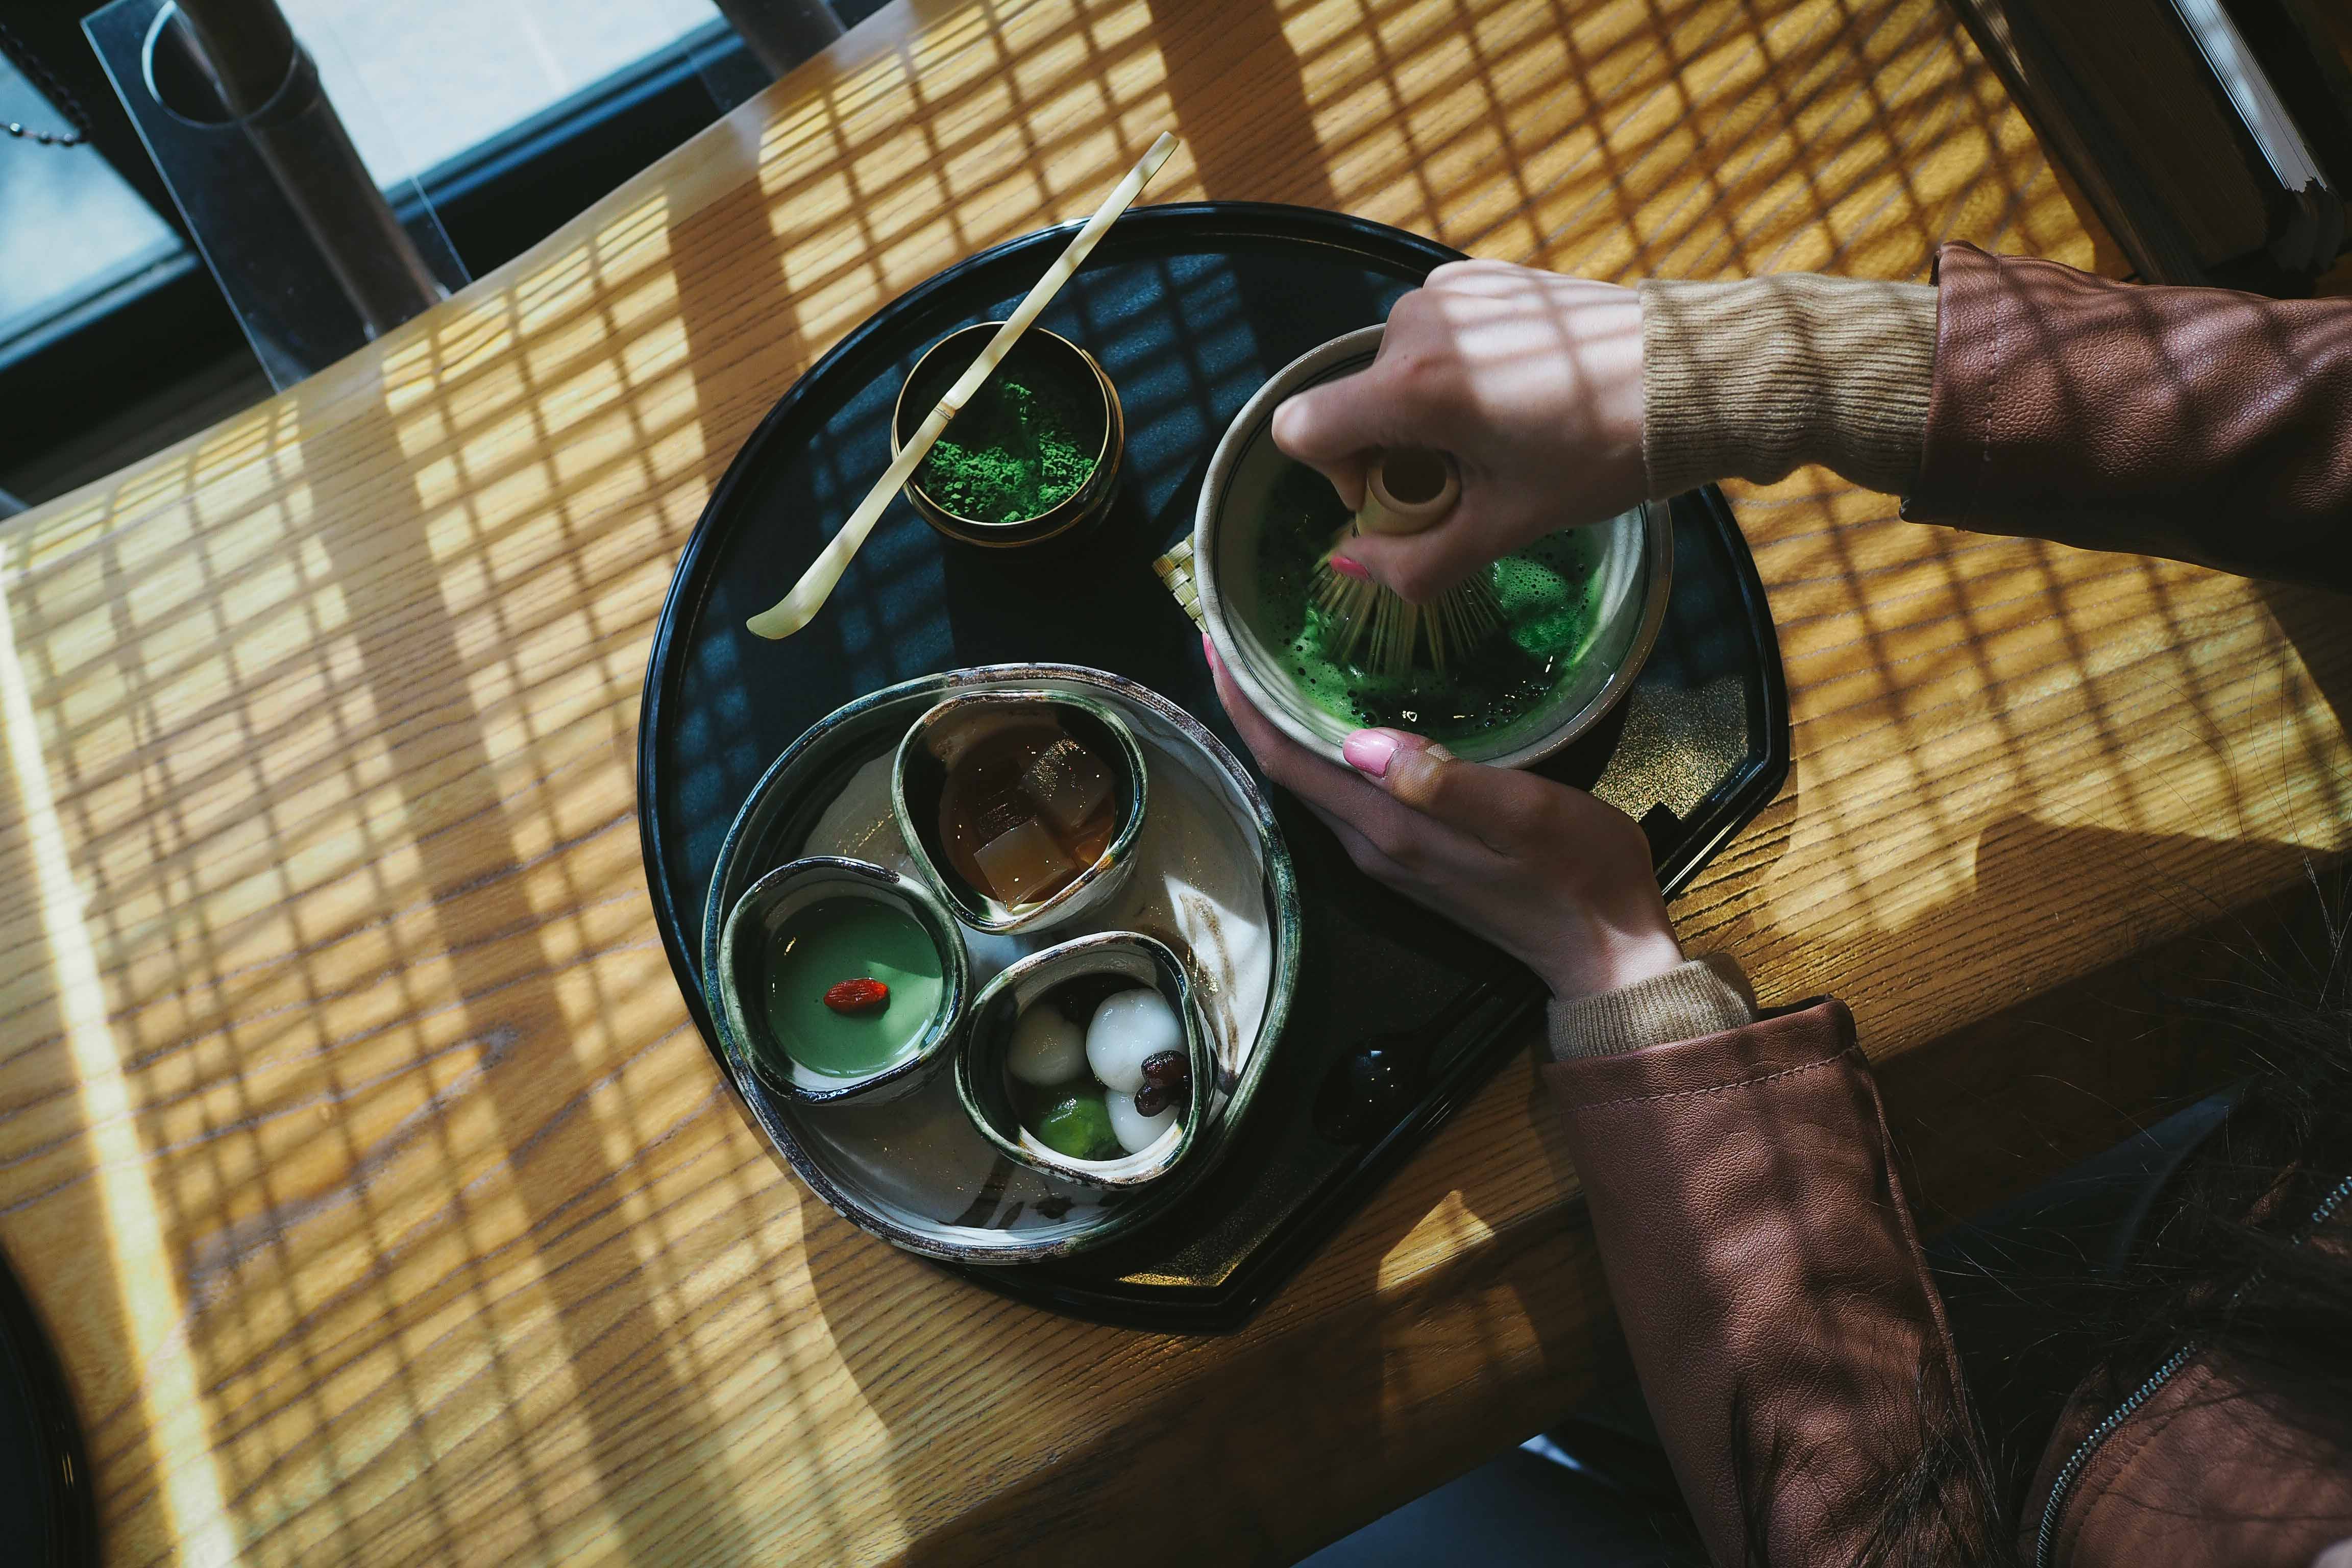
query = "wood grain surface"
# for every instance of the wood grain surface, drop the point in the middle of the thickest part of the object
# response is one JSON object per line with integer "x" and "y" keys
{"x": 353, "y": 1140}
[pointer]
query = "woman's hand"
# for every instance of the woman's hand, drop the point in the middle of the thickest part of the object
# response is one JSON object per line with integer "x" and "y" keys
{"x": 1532, "y": 381}
{"x": 1547, "y": 873}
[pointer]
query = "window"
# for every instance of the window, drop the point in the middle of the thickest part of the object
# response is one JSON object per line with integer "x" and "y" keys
{"x": 424, "y": 81}
{"x": 513, "y": 114}
{"x": 69, "y": 228}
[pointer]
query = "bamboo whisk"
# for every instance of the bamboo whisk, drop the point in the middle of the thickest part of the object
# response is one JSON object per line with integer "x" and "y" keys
{"x": 1407, "y": 490}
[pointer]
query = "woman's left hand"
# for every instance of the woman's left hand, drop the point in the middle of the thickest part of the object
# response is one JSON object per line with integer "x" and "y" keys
{"x": 1548, "y": 874}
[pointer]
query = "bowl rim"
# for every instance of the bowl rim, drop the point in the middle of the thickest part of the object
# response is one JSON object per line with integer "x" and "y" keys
{"x": 1657, "y": 566}
{"x": 886, "y": 886}
{"x": 1017, "y": 532}
{"x": 1091, "y": 884}
{"x": 1197, "y": 1050}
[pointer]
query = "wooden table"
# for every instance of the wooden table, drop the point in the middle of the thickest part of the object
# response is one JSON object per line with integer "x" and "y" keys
{"x": 353, "y": 1140}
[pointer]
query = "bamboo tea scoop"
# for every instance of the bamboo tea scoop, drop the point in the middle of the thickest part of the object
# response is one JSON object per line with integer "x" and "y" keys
{"x": 800, "y": 606}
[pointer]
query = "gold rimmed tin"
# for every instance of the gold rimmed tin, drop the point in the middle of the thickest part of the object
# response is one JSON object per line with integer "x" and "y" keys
{"x": 1039, "y": 356}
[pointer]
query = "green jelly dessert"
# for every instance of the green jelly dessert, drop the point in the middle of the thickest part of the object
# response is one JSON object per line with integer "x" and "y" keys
{"x": 1548, "y": 592}
{"x": 1078, "y": 1126}
{"x": 839, "y": 939}
{"x": 1015, "y": 452}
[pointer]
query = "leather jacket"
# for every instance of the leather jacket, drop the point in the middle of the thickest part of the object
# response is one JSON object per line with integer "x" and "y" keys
{"x": 1791, "y": 1343}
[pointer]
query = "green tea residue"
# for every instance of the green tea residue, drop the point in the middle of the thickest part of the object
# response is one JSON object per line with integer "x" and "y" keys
{"x": 1015, "y": 452}
{"x": 1546, "y": 591}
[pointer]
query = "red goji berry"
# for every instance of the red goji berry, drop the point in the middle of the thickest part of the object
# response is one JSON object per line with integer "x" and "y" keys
{"x": 860, "y": 995}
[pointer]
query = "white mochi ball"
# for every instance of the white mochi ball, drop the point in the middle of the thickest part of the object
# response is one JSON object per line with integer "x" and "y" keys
{"x": 1128, "y": 1029}
{"x": 1046, "y": 1048}
{"x": 1135, "y": 1132}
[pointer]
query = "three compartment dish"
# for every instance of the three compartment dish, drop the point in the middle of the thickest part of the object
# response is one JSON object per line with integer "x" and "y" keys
{"x": 1091, "y": 985}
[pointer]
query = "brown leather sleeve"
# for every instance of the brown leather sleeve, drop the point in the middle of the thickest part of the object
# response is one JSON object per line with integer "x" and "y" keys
{"x": 1764, "y": 1266}
{"x": 2200, "y": 424}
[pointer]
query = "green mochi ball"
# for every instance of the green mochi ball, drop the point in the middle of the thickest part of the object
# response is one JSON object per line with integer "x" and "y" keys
{"x": 1077, "y": 1126}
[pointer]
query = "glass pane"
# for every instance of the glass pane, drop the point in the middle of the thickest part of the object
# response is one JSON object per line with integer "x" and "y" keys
{"x": 444, "y": 75}
{"x": 68, "y": 225}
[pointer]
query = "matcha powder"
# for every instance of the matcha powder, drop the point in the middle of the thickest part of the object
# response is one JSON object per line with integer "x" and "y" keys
{"x": 1015, "y": 452}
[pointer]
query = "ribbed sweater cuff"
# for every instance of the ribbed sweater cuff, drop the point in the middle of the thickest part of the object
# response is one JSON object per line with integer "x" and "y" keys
{"x": 1748, "y": 380}
{"x": 1704, "y": 996}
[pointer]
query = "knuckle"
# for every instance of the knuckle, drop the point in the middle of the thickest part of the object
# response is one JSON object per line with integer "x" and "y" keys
{"x": 1413, "y": 305}
{"x": 1423, "y": 783}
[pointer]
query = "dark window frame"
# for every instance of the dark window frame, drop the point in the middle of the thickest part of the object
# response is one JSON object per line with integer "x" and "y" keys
{"x": 137, "y": 336}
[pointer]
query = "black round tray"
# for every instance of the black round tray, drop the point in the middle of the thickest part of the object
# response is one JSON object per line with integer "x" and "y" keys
{"x": 1189, "y": 307}
{"x": 49, "y": 1513}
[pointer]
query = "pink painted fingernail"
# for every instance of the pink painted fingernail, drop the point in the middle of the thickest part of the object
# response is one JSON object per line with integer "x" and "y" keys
{"x": 1346, "y": 568}
{"x": 1369, "y": 751}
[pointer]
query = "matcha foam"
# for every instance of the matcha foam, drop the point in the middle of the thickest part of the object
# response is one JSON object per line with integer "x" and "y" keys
{"x": 1548, "y": 592}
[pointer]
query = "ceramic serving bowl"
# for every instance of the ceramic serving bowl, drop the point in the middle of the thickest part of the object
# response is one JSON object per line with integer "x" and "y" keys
{"x": 738, "y": 981}
{"x": 992, "y": 1097}
{"x": 1634, "y": 571}
{"x": 1039, "y": 355}
{"x": 1211, "y": 878}
{"x": 919, "y": 774}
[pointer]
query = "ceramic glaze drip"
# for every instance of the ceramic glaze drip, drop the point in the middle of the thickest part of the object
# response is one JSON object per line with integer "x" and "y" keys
{"x": 1548, "y": 592}
{"x": 835, "y": 939}
{"x": 1025, "y": 810}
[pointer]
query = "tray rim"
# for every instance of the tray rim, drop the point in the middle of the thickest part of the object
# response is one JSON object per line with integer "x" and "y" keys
{"x": 1280, "y": 879}
{"x": 29, "y": 1359}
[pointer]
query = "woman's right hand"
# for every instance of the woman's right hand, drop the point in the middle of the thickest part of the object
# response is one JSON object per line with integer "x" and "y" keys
{"x": 1530, "y": 380}
{"x": 1553, "y": 876}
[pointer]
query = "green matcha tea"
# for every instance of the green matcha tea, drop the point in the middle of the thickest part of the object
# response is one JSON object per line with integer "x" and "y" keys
{"x": 1547, "y": 592}
{"x": 1015, "y": 452}
{"x": 835, "y": 939}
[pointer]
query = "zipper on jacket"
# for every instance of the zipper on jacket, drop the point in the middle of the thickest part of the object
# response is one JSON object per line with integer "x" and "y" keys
{"x": 2045, "y": 1537}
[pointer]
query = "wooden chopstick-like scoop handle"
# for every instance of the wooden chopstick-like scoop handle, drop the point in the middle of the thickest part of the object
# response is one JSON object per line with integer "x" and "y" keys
{"x": 1408, "y": 489}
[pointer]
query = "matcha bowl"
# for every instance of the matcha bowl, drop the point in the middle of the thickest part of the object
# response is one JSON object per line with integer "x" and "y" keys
{"x": 1594, "y": 598}
{"x": 1057, "y": 1120}
{"x": 801, "y": 959}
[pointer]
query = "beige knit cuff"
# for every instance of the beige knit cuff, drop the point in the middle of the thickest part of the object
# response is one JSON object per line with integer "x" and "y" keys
{"x": 1704, "y": 996}
{"x": 1748, "y": 380}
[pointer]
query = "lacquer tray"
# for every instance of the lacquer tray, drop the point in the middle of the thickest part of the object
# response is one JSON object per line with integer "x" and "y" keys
{"x": 1190, "y": 308}
{"x": 48, "y": 1514}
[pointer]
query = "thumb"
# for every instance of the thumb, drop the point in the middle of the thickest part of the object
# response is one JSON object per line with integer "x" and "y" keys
{"x": 1417, "y": 772}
